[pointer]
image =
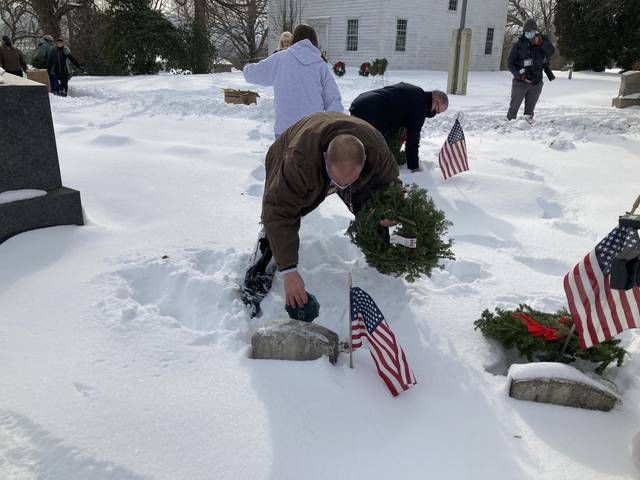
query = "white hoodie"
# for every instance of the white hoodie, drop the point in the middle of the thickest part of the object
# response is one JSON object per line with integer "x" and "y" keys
{"x": 302, "y": 83}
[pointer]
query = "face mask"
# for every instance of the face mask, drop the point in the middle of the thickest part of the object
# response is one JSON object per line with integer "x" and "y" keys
{"x": 529, "y": 35}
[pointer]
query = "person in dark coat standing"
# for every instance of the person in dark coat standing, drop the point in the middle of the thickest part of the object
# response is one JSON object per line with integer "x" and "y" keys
{"x": 400, "y": 106}
{"x": 526, "y": 62}
{"x": 57, "y": 64}
{"x": 11, "y": 59}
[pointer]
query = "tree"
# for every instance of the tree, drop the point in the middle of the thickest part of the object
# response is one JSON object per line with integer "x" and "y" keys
{"x": 242, "y": 25}
{"x": 627, "y": 29}
{"x": 89, "y": 36}
{"x": 587, "y": 32}
{"x": 285, "y": 14}
{"x": 50, "y": 14}
{"x": 137, "y": 35}
{"x": 18, "y": 19}
{"x": 200, "y": 42}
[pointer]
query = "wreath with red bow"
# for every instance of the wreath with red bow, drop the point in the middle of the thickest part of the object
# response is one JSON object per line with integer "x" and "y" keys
{"x": 545, "y": 337}
{"x": 339, "y": 68}
{"x": 364, "y": 69}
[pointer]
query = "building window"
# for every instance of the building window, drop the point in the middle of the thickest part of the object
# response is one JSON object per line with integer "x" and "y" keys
{"x": 453, "y": 5}
{"x": 352, "y": 35}
{"x": 401, "y": 35}
{"x": 488, "y": 46}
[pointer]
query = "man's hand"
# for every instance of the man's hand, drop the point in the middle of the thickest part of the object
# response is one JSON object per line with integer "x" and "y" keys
{"x": 537, "y": 40}
{"x": 295, "y": 294}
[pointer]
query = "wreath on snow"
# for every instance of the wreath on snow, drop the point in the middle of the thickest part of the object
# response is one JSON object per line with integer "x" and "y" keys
{"x": 415, "y": 246}
{"x": 339, "y": 69}
{"x": 545, "y": 337}
{"x": 364, "y": 69}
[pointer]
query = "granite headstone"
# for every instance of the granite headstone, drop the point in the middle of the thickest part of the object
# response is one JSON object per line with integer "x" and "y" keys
{"x": 29, "y": 161}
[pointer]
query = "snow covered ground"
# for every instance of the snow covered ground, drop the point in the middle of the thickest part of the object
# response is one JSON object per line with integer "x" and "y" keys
{"x": 124, "y": 346}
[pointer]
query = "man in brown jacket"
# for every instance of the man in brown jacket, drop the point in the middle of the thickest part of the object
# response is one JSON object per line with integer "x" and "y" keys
{"x": 11, "y": 59}
{"x": 322, "y": 154}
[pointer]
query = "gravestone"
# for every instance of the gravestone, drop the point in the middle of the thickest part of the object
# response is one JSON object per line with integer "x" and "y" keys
{"x": 560, "y": 384}
{"x": 629, "y": 93}
{"x": 294, "y": 340}
{"x": 29, "y": 161}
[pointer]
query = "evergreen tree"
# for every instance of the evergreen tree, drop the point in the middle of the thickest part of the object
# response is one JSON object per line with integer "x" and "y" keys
{"x": 88, "y": 39}
{"x": 586, "y": 32}
{"x": 137, "y": 35}
{"x": 627, "y": 27}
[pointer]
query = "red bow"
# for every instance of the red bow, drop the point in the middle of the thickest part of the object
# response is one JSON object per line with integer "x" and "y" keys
{"x": 535, "y": 329}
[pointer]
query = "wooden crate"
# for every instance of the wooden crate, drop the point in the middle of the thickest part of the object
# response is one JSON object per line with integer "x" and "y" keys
{"x": 240, "y": 97}
{"x": 40, "y": 76}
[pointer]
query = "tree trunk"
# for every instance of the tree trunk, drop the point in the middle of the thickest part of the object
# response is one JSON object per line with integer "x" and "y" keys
{"x": 200, "y": 36}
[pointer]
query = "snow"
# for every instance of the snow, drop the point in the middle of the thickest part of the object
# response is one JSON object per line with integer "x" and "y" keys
{"x": 124, "y": 346}
{"x": 17, "y": 195}
{"x": 557, "y": 371}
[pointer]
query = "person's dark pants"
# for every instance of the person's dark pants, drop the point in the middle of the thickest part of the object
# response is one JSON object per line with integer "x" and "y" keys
{"x": 16, "y": 73}
{"x": 62, "y": 83}
{"x": 520, "y": 91}
{"x": 55, "y": 88}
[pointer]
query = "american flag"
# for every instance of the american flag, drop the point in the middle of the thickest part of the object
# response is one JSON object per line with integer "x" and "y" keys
{"x": 453, "y": 154}
{"x": 368, "y": 322}
{"x": 599, "y": 312}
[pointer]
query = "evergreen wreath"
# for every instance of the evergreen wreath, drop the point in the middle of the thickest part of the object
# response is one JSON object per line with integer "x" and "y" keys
{"x": 395, "y": 142}
{"x": 418, "y": 219}
{"x": 339, "y": 69}
{"x": 541, "y": 337}
{"x": 364, "y": 69}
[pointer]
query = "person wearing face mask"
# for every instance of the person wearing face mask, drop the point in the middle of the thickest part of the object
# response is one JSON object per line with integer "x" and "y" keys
{"x": 320, "y": 155}
{"x": 11, "y": 59}
{"x": 400, "y": 106}
{"x": 526, "y": 62}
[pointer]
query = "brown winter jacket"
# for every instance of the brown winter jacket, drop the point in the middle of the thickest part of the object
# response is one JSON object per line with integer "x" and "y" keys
{"x": 297, "y": 180}
{"x": 12, "y": 60}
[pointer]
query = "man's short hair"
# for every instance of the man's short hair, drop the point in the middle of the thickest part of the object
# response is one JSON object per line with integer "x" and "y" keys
{"x": 441, "y": 96}
{"x": 346, "y": 151}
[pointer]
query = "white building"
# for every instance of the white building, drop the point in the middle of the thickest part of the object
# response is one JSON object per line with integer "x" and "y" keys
{"x": 410, "y": 34}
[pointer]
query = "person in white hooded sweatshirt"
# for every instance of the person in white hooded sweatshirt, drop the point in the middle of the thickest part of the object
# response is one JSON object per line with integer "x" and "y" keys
{"x": 302, "y": 80}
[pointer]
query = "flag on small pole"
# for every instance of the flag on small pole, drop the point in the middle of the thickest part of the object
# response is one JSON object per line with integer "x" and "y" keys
{"x": 350, "y": 283}
{"x": 390, "y": 360}
{"x": 453, "y": 154}
{"x": 600, "y": 312}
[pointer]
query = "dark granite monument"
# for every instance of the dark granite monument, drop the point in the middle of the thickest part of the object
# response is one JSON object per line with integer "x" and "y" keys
{"x": 29, "y": 161}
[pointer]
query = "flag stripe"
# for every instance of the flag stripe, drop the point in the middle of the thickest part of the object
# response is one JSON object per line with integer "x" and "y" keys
{"x": 584, "y": 300}
{"x": 613, "y": 307}
{"x": 602, "y": 325}
{"x": 635, "y": 305}
{"x": 390, "y": 385}
{"x": 571, "y": 292}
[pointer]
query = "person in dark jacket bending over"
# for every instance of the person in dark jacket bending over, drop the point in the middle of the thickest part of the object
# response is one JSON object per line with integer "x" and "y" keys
{"x": 526, "y": 62}
{"x": 400, "y": 106}
{"x": 57, "y": 64}
{"x": 322, "y": 154}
